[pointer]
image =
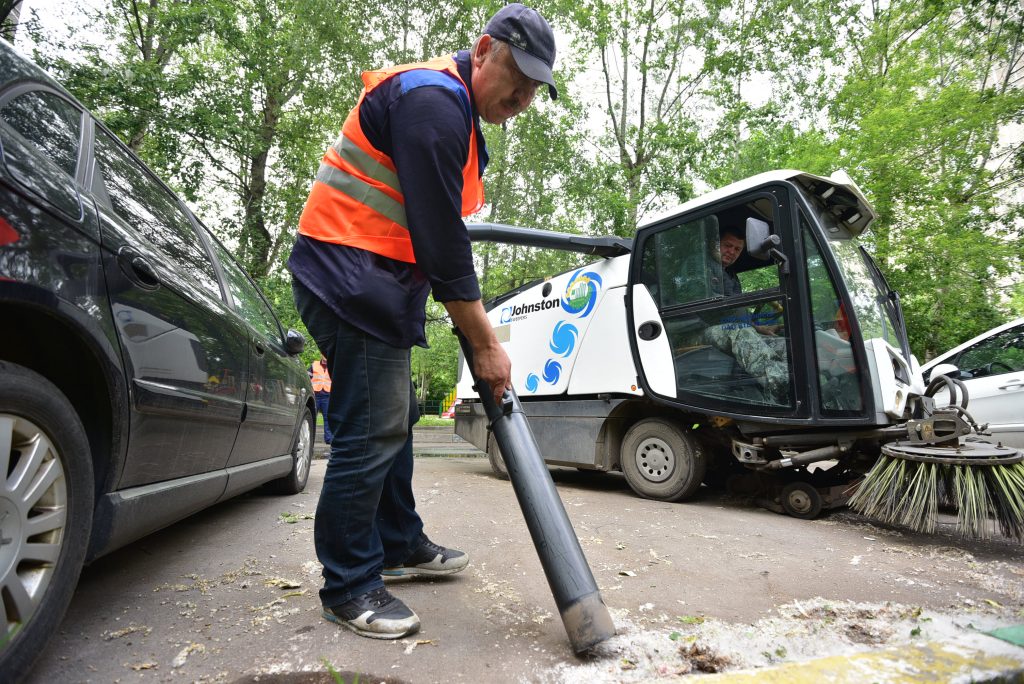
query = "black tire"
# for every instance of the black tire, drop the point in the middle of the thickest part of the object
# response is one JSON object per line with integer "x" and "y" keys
{"x": 302, "y": 457}
{"x": 47, "y": 443}
{"x": 801, "y": 500}
{"x": 661, "y": 461}
{"x": 495, "y": 458}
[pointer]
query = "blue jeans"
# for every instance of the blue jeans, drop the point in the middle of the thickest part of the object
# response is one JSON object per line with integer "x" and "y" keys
{"x": 322, "y": 401}
{"x": 366, "y": 518}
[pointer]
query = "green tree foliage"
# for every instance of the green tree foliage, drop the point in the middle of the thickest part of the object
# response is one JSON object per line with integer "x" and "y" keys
{"x": 916, "y": 116}
{"x": 235, "y": 101}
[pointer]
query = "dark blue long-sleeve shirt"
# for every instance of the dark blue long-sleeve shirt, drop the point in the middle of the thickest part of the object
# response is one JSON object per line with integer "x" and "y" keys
{"x": 426, "y": 133}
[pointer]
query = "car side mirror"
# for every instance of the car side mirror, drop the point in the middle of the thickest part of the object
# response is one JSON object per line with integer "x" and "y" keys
{"x": 944, "y": 369}
{"x": 761, "y": 244}
{"x": 294, "y": 342}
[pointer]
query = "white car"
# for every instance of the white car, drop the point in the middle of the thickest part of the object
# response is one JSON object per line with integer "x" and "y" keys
{"x": 992, "y": 367}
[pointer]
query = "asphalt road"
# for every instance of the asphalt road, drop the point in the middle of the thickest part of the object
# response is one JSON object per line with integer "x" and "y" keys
{"x": 231, "y": 594}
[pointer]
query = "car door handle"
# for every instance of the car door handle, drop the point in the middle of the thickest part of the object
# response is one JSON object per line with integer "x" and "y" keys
{"x": 1013, "y": 384}
{"x": 137, "y": 268}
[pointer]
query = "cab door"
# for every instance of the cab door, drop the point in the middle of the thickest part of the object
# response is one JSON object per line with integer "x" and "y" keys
{"x": 715, "y": 333}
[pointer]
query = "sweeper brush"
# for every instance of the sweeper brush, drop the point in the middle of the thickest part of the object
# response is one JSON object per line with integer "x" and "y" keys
{"x": 942, "y": 467}
{"x": 980, "y": 482}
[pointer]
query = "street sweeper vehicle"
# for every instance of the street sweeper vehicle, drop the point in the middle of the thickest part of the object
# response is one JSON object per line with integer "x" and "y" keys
{"x": 744, "y": 339}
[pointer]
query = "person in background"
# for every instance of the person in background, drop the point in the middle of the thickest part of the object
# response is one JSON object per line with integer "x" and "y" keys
{"x": 321, "y": 378}
{"x": 381, "y": 229}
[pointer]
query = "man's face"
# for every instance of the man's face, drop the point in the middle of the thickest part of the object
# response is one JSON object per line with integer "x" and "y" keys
{"x": 500, "y": 89}
{"x": 730, "y": 247}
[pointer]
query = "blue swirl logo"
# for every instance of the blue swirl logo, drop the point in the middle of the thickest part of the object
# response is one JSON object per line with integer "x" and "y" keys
{"x": 563, "y": 338}
{"x": 532, "y": 382}
{"x": 581, "y": 293}
{"x": 552, "y": 369}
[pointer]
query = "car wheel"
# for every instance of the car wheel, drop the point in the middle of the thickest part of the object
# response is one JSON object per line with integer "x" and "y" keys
{"x": 302, "y": 457}
{"x": 660, "y": 461}
{"x": 496, "y": 460}
{"x": 46, "y": 503}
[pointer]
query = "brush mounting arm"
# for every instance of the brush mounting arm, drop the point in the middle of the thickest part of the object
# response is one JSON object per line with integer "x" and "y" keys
{"x": 604, "y": 245}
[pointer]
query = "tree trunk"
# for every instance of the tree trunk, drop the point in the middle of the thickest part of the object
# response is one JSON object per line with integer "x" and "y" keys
{"x": 256, "y": 236}
{"x": 10, "y": 12}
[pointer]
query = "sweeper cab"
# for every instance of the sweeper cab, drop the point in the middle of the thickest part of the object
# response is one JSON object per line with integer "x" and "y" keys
{"x": 782, "y": 372}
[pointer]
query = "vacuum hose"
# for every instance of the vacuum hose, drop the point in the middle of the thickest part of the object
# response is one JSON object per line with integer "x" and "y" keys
{"x": 586, "y": 618}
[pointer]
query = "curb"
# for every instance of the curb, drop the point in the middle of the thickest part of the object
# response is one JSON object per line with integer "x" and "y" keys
{"x": 974, "y": 658}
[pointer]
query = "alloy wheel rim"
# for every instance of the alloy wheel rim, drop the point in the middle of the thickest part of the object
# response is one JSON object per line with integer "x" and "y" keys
{"x": 33, "y": 517}
{"x": 303, "y": 454}
{"x": 655, "y": 459}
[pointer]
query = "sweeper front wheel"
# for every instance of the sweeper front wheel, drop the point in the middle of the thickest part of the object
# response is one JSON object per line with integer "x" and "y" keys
{"x": 661, "y": 461}
{"x": 801, "y": 500}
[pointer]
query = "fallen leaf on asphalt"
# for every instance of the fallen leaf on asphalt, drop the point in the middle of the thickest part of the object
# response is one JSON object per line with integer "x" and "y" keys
{"x": 130, "y": 629}
{"x": 620, "y": 546}
{"x": 282, "y": 583}
{"x": 627, "y": 573}
{"x": 292, "y": 518}
{"x": 691, "y": 619}
{"x": 659, "y": 559}
{"x": 627, "y": 664}
{"x": 992, "y": 603}
{"x": 184, "y": 653}
{"x": 142, "y": 666}
{"x": 290, "y": 594}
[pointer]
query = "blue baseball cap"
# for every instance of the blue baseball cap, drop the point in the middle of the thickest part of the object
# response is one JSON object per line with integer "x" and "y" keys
{"x": 531, "y": 40}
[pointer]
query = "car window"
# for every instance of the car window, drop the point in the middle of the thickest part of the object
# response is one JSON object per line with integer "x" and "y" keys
{"x": 1001, "y": 353}
{"x": 141, "y": 201}
{"x": 247, "y": 298}
{"x": 48, "y": 122}
{"x": 41, "y": 137}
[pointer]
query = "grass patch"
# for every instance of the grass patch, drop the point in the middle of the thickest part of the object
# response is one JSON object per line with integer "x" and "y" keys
{"x": 433, "y": 421}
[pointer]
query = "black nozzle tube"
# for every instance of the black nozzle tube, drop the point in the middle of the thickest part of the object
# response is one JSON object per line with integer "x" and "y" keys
{"x": 586, "y": 618}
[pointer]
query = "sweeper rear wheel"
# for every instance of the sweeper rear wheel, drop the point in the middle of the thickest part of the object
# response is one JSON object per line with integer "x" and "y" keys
{"x": 661, "y": 461}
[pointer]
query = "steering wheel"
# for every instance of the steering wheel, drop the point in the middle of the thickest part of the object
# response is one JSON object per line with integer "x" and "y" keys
{"x": 990, "y": 367}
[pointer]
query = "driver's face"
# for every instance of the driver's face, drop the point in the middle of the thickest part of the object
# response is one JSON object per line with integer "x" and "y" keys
{"x": 730, "y": 248}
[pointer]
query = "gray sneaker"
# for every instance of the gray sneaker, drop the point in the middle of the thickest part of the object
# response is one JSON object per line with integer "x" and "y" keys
{"x": 376, "y": 614}
{"x": 429, "y": 559}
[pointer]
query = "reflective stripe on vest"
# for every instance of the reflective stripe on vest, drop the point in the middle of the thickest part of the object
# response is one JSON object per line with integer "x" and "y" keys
{"x": 356, "y": 198}
{"x": 321, "y": 378}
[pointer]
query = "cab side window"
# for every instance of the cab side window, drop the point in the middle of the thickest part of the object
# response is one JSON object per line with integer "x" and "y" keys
{"x": 41, "y": 138}
{"x": 149, "y": 208}
{"x": 722, "y": 309}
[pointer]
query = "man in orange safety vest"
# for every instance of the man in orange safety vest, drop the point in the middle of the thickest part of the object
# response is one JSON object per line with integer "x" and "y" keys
{"x": 383, "y": 228}
{"x": 321, "y": 379}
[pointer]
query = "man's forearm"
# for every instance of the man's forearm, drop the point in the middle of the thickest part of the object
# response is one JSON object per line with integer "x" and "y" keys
{"x": 490, "y": 362}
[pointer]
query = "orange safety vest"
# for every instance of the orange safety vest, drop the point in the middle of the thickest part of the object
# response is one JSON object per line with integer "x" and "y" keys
{"x": 321, "y": 378}
{"x": 356, "y": 199}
